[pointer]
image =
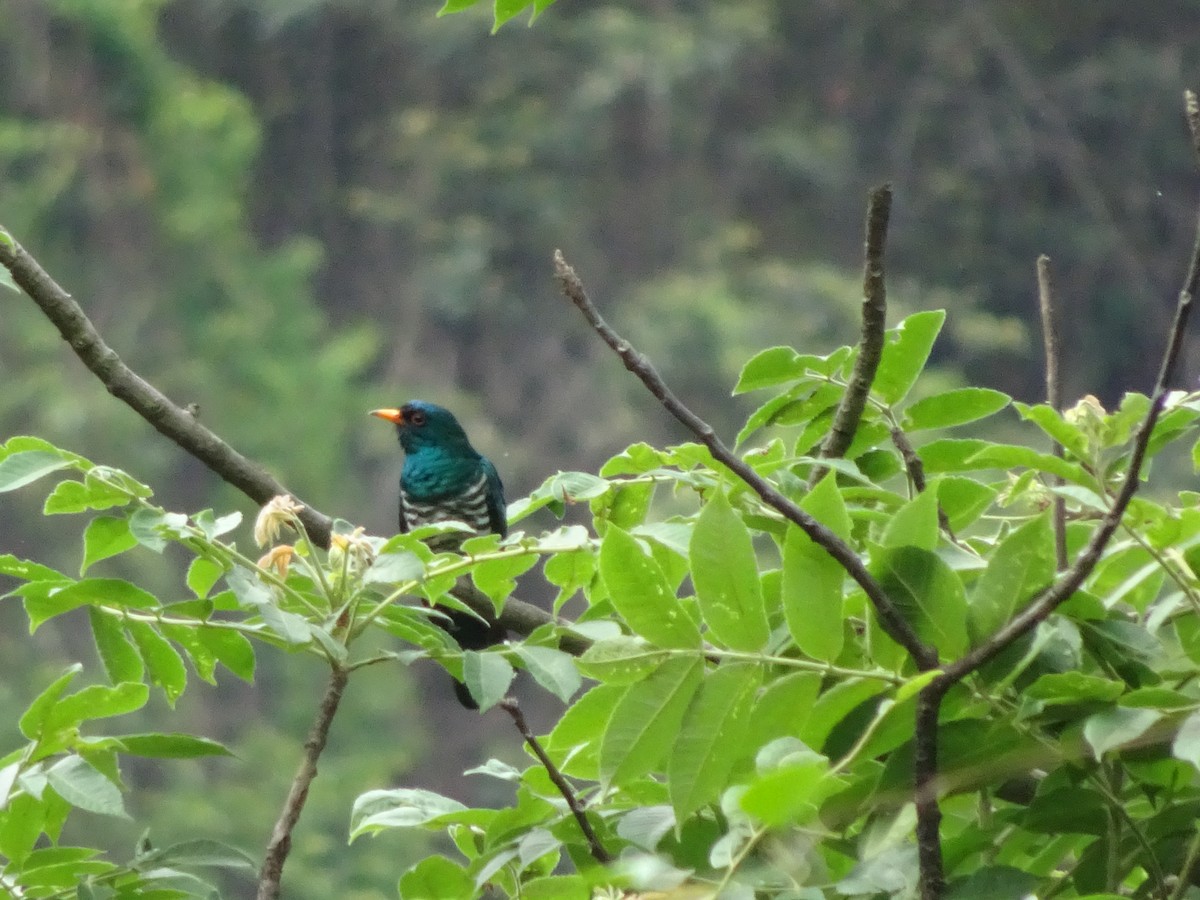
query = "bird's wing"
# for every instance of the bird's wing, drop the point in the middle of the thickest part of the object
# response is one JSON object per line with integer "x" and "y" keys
{"x": 497, "y": 509}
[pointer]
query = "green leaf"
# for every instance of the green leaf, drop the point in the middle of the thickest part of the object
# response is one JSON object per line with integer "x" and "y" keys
{"x": 574, "y": 743}
{"x": 915, "y": 524}
{"x": 105, "y": 591}
{"x": 171, "y": 746}
{"x": 105, "y": 536}
{"x": 507, "y": 9}
{"x": 970, "y": 455}
{"x": 552, "y": 669}
{"x": 1051, "y": 421}
{"x": 790, "y": 792}
{"x": 927, "y": 593}
{"x": 251, "y": 594}
{"x": 963, "y": 499}
{"x": 119, "y": 656}
{"x": 1073, "y": 687}
{"x": 956, "y": 407}
{"x": 453, "y": 6}
{"x": 437, "y": 878}
{"x": 770, "y": 367}
{"x": 1113, "y": 728}
{"x": 96, "y": 701}
{"x": 6, "y": 279}
{"x": 210, "y": 854}
{"x": 783, "y": 708}
{"x": 401, "y": 808}
{"x": 639, "y": 591}
{"x": 725, "y": 574}
{"x": 153, "y": 527}
{"x": 712, "y": 737}
{"x": 811, "y": 583}
{"x": 80, "y": 784}
{"x": 163, "y": 662}
{"x": 231, "y": 648}
{"x": 202, "y": 574}
{"x": 569, "y": 572}
{"x": 498, "y": 577}
{"x": 1186, "y": 745}
{"x": 78, "y": 496}
{"x": 1020, "y": 566}
{"x": 34, "y": 718}
{"x": 391, "y": 568}
{"x": 556, "y": 887}
{"x": 646, "y": 720}
{"x": 21, "y": 469}
{"x": 487, "y": 676}
{"x": 905, "y": 351}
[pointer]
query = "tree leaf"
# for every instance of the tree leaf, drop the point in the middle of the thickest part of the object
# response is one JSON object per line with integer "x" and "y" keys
{"x": 712, "y": 738}
{"x": 1020, "y": 566}
{"x": 725, "y": 574}
{"x": 574, "y": 743}
{"x": 552, "y": 669}
{"x": 401, "y": 808}
{"x": 639, "y": 591}
{"x": 954, "y": 407}
{"x": 34, "y": 718}
{"x": 231, "y": 648}
{"x": 437, "y": 878}
{"x": 106, "y": 591}
{"x": 96, "y": 701}
{"x": 171, "y": 746}
{"x": 28, "y": 466}
{"x": 81, "y": 784}
{"x": 163, "y": 662}
{"x": 1112, "y": 728}
{"x": 78, "y": 496}
{"x": 928, "y": 594}
{"x": 811, "y": 589}
{"x": 487, "y": 676}
{"x": 905, "y": 351}
{"x": 915, "y": 524}
{"x": 118, "y": 655}
{"x": 105, "y": 536}
{"x": 770, "y": 367}
{"x": 646, "y": 720}
{"x": 202, "y": 574}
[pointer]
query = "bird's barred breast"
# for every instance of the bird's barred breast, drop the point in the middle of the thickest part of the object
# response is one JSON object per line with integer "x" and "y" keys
{"x": 470, "y": 506}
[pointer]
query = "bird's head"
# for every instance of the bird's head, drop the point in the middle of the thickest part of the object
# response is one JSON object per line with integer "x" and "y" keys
{"x": 423, "y": 425}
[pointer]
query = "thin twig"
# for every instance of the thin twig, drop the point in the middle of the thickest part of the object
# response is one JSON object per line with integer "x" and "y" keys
{"x": 1051, "y": 351}
{"x": 890, "y": 618}
{"x": 1044, "y": 603}
{"x": 870, "y": 345}
{"x": 281, "y": 836}
{"x": 601, "y": 855}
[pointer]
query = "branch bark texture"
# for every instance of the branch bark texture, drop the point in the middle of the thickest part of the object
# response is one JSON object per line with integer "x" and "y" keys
{"x": 874, "y": 321}
{"x": 280, "y": 844}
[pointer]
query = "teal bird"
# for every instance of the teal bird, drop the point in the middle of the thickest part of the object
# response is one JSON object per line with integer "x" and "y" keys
{"x": 444, "y": 478}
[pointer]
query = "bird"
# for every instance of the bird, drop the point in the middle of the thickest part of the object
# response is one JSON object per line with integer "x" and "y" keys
{"x": 445, "y": 479}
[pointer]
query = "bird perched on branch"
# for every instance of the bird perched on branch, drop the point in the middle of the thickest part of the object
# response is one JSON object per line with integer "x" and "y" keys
{"x": 445, "y": 479}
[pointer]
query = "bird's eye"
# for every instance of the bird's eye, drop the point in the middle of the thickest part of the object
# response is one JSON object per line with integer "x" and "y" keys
{"x": 417, "y": 418}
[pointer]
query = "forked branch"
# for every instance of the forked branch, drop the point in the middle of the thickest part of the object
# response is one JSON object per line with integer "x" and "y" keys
{"x": 890, "y": 618}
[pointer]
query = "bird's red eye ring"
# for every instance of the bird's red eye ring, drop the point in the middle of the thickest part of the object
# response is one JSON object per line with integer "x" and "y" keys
{"x": 416, "y": 417}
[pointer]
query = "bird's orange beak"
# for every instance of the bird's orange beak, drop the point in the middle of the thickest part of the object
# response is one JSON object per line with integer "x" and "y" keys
{"x": 392, "y": 415}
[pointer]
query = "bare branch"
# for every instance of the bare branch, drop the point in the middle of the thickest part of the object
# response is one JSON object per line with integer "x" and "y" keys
{"x": 874, "y": 319}
{"x": 1051, "y": 351}
{"x": 281, "y": 836}
{"x": 890, "y": 617}
{"x": 601, "y": 855}
{"x": 146, "y": 400}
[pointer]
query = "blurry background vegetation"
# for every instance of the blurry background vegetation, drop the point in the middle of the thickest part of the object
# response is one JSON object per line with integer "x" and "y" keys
{"x": 293, "y": 211}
